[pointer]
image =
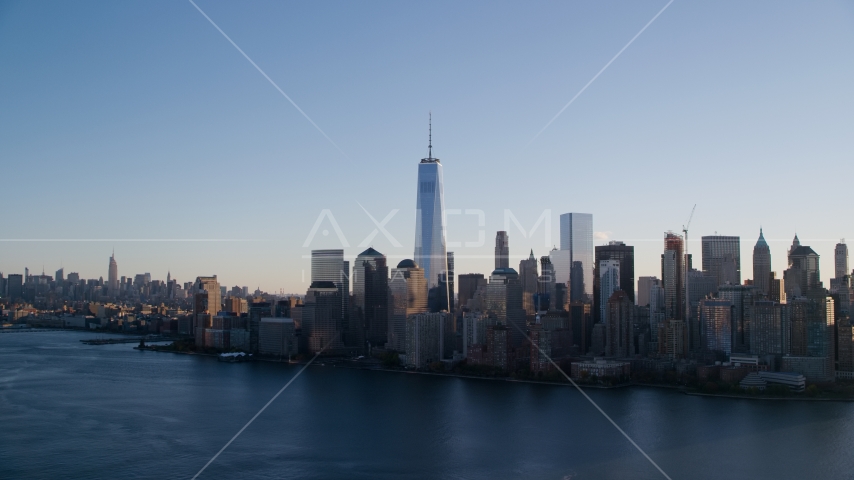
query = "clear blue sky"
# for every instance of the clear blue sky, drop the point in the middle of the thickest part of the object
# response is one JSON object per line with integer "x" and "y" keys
{"x": 138, "y": 120}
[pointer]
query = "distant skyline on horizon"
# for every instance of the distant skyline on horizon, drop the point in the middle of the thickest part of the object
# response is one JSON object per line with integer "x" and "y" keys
{"x": 141, "y": 121}
{"x": 778, "y": 264}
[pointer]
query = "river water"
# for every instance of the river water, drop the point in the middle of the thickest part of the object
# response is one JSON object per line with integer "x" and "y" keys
{"x": 69, "y": 410}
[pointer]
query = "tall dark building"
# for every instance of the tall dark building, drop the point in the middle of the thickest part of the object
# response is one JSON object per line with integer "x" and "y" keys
{"x": 581, "y": 319}
{"x": 504, "y": 302}
{"x": 330, "y": 266}
{"x": 673, "y": 276}
{"x": 803, "y": 275}
{"x": 370, "y": 296}
{"x": 257, "y": 311}
{"x": 619, "y": 325}
{"x": 762, "y": 265}
{"x": 450, "y": 279}
{"x": 544, "y": 298}
{"x": 15, "y": 286}
{"x": 441, "y": 297}
{"x": 722, "y": 258}
{"x": 577, "y": 285}
{"x": 623, "y": 253}
{"x": 809, "y": 332}
{"x": 322, "y": 321}
{"x": 502, "y": 250}
{"x": 469, "y": 283}
{"x": 528, "y": 278}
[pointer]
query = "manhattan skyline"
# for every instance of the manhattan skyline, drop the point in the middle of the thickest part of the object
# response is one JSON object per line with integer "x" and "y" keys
{"x": 166, "y": 113}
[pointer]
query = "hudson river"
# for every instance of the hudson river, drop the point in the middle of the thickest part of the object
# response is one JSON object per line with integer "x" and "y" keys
{"x": 69, "y": 410}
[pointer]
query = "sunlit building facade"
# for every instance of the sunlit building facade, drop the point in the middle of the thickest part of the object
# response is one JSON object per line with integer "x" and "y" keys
{"x": 430, "y": 249}
{"x": 408, "y": 288}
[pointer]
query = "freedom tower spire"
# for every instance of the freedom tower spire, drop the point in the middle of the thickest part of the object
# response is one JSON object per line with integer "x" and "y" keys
{"x": 430, "y": 251}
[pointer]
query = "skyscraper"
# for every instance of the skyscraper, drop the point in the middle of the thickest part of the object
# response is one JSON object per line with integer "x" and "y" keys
{"x": 609, "y": 282}
{"x": 672, "y": 276}
{"x": 766, "y": 331}
{"x": 441, "y": 297}
{"x": 430, "y": 249}
{"x": 113, "y": 276}
{"x": 840, "y": 260}
{"x": 700, "y": 286}
{"x": 207, "y": 302}
{"x": 544, "y": 299}
{"x": 618, "y": 320}
{"x": 803, "y": 274}
{"x": 741, "y": 299}
{"x": 841, "y": 281}
{"x": 762, "y": 265}
{"x": 528, "y": 278}
{"x": 809, "y": 332}
{"x": 625, "y": 256}
{"x": 644, "y": 284}
{"x": 561, "y": 261}
{"x": 716, "y": 325}
{"x": 408, "y": 296}
{"x": 425, "y": 335}
{"x": 796, "y": 242}
{"x": 15, "y": 286}
{"x": 450, "y": 278}
{"x": 720, "y": 252}
{"x": 257, "y": 311}
{"x": 329, "y": 266}
{"x": 502, "y": 250}
{"x": 370, "y": 295}
{"x": 321, "y": 322}
{"x": 469, "y": 283}
{"x": 576, "y": 236}
{"x": 504, "y": 302}
{"x": 358, "y": 278}
{"x": 578, "y": 279}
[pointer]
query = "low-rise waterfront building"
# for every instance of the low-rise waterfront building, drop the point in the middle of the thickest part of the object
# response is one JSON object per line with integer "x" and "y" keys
{"x": 795, "y": 381}
{"x": 600, "y": 367}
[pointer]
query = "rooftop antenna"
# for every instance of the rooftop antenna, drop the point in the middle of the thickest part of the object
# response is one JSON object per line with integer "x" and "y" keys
{"x": 430, "y": 136}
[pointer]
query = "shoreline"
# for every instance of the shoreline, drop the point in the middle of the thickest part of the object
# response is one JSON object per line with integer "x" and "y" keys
{"x": 749, "y": 397}
{"x": 677, "y": 388}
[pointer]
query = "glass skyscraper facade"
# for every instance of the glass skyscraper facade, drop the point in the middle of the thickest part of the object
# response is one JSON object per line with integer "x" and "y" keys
{"x": 625, "y": 255}
{"x": 329, "y": 266}
{"x": 576, "y": 236}
{"x": 719, "y": 250}
{"x": 430, "y": 250}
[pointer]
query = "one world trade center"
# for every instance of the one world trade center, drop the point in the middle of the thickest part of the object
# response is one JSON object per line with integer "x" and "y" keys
{"x": 430, "y": 250}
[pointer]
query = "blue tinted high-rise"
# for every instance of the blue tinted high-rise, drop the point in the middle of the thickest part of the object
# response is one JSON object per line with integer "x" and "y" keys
{"x": 576, "y": 236}
{"x": 430, "y": 249}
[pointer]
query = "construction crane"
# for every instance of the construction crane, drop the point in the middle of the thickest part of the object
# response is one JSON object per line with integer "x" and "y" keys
{"x": 685, "y": 227}
{"x": 685, "y": 265}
